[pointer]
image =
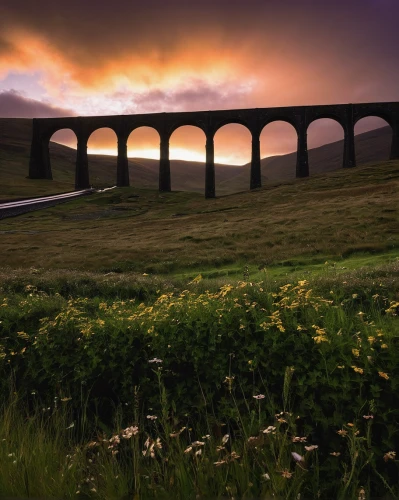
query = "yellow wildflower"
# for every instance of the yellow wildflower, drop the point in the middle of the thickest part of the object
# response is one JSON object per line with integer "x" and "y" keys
{"x": 384, "y": 375}
{"x": 357, "y": 369}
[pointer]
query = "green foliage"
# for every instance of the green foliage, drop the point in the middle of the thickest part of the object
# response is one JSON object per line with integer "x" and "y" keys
{"x": 238, "y": 355}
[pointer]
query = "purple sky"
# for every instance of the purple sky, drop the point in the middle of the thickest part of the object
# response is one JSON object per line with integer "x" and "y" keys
{"x": 126, "y": 56}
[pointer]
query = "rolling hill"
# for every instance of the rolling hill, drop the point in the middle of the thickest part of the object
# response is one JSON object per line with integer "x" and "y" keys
{"x": 15, "y": 136}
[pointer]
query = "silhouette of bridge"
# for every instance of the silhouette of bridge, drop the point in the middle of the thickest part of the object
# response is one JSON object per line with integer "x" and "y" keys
{"x": 300, "y": 117}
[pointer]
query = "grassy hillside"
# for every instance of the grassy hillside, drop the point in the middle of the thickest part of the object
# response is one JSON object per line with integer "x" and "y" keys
{"x": 300, "y": 222}
{"x": 15, "y": 136}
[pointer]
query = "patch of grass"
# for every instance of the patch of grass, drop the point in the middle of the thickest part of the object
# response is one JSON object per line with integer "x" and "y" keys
{"x": 253, "y": 389}
{"x": 296, "y": 223}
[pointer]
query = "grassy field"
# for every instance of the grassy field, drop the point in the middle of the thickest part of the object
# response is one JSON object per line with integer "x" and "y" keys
{"x": 162, "y": 345}
{"x": 343, "y": 216}
{"x": 253, "y": 390}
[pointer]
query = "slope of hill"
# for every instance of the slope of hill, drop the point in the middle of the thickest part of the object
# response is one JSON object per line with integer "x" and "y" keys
{"x": 15, "y": 136}
{"x": 331, "y": 215}
{"x": 370, "y": 147}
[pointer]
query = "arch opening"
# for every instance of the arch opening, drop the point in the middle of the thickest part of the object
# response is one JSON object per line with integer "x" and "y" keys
{"x": 278, "y": 147}
{"x": 233, "y": 149}
{"x": 187, "y": 158}
{"x": 102, "y": 150}
{"x": 143, "y": 157}
{"x": 373, "y": 140}
{"x": 325, "y": 146}
{"x": 62, "y": 151}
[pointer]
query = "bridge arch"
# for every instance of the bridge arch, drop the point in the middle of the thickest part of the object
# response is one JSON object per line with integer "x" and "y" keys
{"x": 233, "y": 149}
{"x": 278, "y": 118}
{"x": 187, "y": 143}
{"x": 62, "y": 155}
{"x": 142, "y": 145}
{"x": 371, "y": 142}
{"x": 231, "y": 121}
{"x": 102, "y": 150}
{"x": 278, "y": 138}
{"x": 325, "y": 135}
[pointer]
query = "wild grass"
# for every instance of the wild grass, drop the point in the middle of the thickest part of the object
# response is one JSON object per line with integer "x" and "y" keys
{"x": 338, "y": 216}
{"x": 246, "y": 391}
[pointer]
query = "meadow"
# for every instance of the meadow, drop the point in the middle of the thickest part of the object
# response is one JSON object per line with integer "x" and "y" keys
{"x": 248, "y": 390}
{"x": 158, "y": 345}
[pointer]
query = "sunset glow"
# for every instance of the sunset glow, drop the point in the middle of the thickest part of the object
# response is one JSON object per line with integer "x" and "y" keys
{"x": 86, "y": 58}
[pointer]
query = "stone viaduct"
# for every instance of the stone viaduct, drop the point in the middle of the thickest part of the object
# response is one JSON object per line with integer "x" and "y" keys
{"x": 300, "y": 117}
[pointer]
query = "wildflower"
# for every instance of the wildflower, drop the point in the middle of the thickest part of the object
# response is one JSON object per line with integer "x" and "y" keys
{"x": 207, "y": 436}
{"x": 225, "y": 438}
{"x": 390, "y": 455}
{"x": 296, "y": 456}
{"x": 286, "y": 473}
{"x": 368, "y": 416}
{"x": 187, "y": 450}
{"x": 282, "y": 420}
{"x": 114, "y": 441}
{"x": 335, "y": 453}
{"x": 198, "y": 452}
{"x": 269, "y": 430}
{"x": 70, "y": 426}
{"x": 152, "y": 417}
{"x": 155, "y": 360}
{"x": 342, "y": 432}
{"x": 198, "y": 443}
{"x": 266, "y": 476}
{"x": 311, "y": 447}
{"x": 220, "y": 448}
{"x": 340, "y": 366}
{"x": 349, "y": 424}
{"x": 384, "y": 375}
{"x": 362, "y": 494}
{"x": 259, "y": 396}
{"x": 221, "y": 462}
{"x": 320, "y": 338}
{"x": 234, "y": 455}
{"x": 298, "y": 439}
{"x": 356, "y": 352}
{"x": 357, "y": 369}
{"x": 158, "y": 443}
{"x": 129, "y": 432}
{"x": 384, "y": 346}
{"x": 371, "y": 339}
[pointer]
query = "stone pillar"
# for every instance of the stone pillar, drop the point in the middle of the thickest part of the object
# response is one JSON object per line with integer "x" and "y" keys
{"x": 256, "y": 171}
{"x": 349, "y": 160}
{"x": 210, "y": 168}
{"x": 122, "y": 169}
{"x": 395, "y": 141}
{"x": 302, "y": 163}
{"x": 39, "y": 162}
{"x": 82, "y": 165}
{"x": 164, "y": 166}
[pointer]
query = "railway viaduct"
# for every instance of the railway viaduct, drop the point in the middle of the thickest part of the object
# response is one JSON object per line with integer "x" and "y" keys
{"x": 300, "y": 117}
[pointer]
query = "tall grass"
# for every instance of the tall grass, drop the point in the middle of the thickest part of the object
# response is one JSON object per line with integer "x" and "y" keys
{"x": 249, "y": 390}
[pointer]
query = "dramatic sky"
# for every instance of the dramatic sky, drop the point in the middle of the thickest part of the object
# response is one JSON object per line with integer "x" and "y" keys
{"x": 82, "y": 57}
